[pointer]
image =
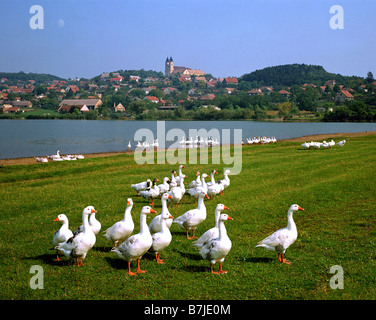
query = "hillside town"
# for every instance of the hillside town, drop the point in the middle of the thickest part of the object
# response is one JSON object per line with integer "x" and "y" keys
{"x": 184, "y": 93}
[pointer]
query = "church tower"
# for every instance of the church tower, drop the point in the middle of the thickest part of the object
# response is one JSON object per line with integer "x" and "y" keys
{"x": 169, "y": 67}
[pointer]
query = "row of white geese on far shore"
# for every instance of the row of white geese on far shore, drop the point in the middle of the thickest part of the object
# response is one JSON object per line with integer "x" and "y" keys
{"x": 323, "y": 145}
{"x": 259, "y": 140}
{"x": 59, "y": 157}
{"x": 189, "y": 142}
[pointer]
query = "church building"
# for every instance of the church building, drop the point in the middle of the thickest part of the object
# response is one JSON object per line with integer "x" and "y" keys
{"x": 170, "y": 69}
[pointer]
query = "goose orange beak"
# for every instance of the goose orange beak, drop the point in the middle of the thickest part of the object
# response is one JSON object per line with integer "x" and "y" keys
{"x": 57, "y": 219}
{"x": 229, "y": 218}
{"x": 206, "y": 196}
{"x": 226, "y": 208}
{"x": 300, "y": 208}
{"x": 169, "y": 197}
{"x": 170, "y": 217}
{"x": 152, "y": 211}
{"x": 93, "y": 211}
{"x": 128, "y": 203}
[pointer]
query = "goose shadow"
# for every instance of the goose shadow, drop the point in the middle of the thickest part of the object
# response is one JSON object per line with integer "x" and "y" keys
{"x": 193, "y": 268}
{"x": 102, "y": 249}
{"x": 116, "y": 263}
{"x": 190, "y": 256}
{"x": 50, "y": 259}
{"x": 258, "y": 259}
{"x": 178, "y": 233}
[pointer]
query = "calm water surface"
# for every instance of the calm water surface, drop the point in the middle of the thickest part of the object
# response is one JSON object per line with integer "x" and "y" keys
{"x": 30, "y": 138}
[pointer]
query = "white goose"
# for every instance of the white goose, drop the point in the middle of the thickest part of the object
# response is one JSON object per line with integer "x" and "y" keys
{"x": 121, "y": 230}
{"x": 94, "y": 224}
{"x": 217, "y": 249}
{"x": 212, "y": 233}
{"x": 180, "y": 175}
{"x": 164, "y": 187}
{"x": 225, "y": 182}
{"x": 280, "y": 240}
{"x": 155, "y": 224}
{"x": 196, "y": 191}
{"x": 214, "y": 187}
{"x": 41, "y": 159}
{"x": 79, "y": 245}
{"x": 161, "y": 239}
{"x": 55, "y": 156}
{"x": 341, "y": 143}
{"x": 212, "y": 179}
{"x": 173, "y": 181}
{"x": 151, "y": 193}
{"x": 141, "y": 186}
{"x": 136, "y": 245}
{"x": 63, "y": 234}
{"x": 177, "y": 193}
{"x": 192, "y": 218}
{"x": 197, "y": 182}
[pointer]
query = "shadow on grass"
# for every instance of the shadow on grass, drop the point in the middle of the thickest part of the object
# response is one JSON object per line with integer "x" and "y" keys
{"x": 193, "y": 268}
{"x": 102, "y": 249}
{"x": 190, "y": 256}
{"x": 116, "y": 262}
{"x": 258, "y": 259}
{"x": 50, "y": 259}
{"x": 178, "y": 233}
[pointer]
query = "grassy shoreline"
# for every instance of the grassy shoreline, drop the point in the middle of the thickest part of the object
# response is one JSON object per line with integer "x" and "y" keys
{"x": 317, "y": 137}
{"x": 335, "y": 187}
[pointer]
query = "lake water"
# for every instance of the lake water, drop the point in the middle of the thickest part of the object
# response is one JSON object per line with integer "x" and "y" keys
{"x": 30, "y": 138}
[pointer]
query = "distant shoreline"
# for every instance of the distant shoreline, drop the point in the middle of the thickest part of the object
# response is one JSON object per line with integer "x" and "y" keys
{"x": 317, "y": 137}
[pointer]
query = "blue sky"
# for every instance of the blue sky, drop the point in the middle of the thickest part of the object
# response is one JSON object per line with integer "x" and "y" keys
{"x": 83, "y": 38}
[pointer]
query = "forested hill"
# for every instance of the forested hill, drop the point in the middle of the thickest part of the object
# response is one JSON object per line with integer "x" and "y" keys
{"x": 38, "y": 77}
{"x": 294, "y": 74}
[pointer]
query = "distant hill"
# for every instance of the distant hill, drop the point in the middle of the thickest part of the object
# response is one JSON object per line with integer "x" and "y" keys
{"x": 294, "y": 74}
{"x": 38, "y": 77}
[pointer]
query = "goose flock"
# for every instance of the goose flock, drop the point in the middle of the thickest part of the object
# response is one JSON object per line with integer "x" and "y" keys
{"x": 259, "y": 140}
{"x": 323, "y": 144}
{"x": 58, "y": 157}
{"x": 189, "y": 142}
{"x": 213, "y": 245}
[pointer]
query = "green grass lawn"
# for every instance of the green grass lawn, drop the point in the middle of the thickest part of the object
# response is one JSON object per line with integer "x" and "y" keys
{"x": 336, "y": 187}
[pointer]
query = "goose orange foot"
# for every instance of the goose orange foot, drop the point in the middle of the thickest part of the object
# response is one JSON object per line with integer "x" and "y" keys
{"x": 218, "y": 272}
{"x": 138, "y": 270}
{"x": 193, "y": 235}
{"x": 281, "y": 259}
{"x": 158, "y": 260}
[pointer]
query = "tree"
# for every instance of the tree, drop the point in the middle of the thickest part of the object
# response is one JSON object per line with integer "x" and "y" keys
{"x": 284, "y": 109}
{"x": 370, "y": 77}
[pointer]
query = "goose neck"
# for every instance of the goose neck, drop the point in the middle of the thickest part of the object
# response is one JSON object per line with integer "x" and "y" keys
{"x": 143, "y": 225}
{"x": 216, "y": 217}
{"x": 85, "y": 222}
{"x": 164, "y": 205}
{"x": 222, "y": 230}
{"x": 200, "y": 203}
{"x": 290, "y": 221}
{"x": 127, "y": 213}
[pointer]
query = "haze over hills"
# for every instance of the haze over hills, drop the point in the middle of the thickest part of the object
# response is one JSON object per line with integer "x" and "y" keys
{"x": 283, "y": 75}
